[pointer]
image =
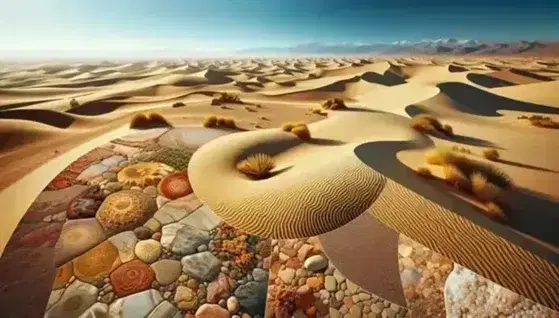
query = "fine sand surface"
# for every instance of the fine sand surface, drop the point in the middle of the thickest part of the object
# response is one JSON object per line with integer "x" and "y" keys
{"x": 358, "y": 159}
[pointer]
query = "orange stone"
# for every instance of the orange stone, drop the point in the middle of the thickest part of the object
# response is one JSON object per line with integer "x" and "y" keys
{"x": 97, "y": 263}
{"x": 276, "y": 267}
{"x": 132, "y": 277}
{"x": 311, "y": 312}
{"x": 63, "y": 275}
{"x": 314, "y": 283}
{"x": 293, "y": 263}
{"x": 348, "y": 302}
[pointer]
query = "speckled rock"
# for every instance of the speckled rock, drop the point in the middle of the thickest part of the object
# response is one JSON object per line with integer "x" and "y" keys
{"x": 75, "y": 300}
{"x": 202, "y": 266}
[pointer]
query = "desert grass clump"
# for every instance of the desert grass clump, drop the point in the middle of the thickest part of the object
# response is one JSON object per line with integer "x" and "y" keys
{"x": 298, "y": 129}
{"x": 491, "y": 154}
{"x": 333, "y": 104}
{"x": 152, "y": 120}
{"x": 461, "y": 149}
{"x": 250, "y": 109}
{"x": 431, "y": 125}
{"x": 227, "y": 98}
{"x": 178, "y": 104}
{"x": 287, "y": 127}
{"x": 210, "y": 121}
{"x": 317, "y": 111}
{"x": 257, "y": 166}
{"x": 541, "y": 121}
{"x": 424, "y": 172}
{"x": 229, "y": 123}
{"x": 484, "y": 190}
{"x": 441, "y": 156}
{"x": 494, "y": 211}
{"x": 455, "y": 177}
{"x": 74, "y": 103}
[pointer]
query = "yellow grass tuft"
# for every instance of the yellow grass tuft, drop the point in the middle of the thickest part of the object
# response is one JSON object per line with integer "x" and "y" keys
{"x": 178, "y": 104}
{"x": 461, "y": 149}
{"x": 495, "y": 212}
{"x": 257, "y": 166}
{"x": 152, "y": 120}
{"x": 483, "y": 189}
{"x": 541, "y": 121}
{"x": 431, "y": 125}
{"x": 301, "y": 131}
{"x": 287, "y": 127}
{"x": 210, "y": 121}
{"x": 230, "y": 123}
{"x": 74, "y": 103}
{"x": 424, "y": 172}
{"x": 220, "y": 121}
{"x": 455, "y": 177}
{"x": 250, "y": 109}
{"x": 333, "y": 104}
{"x": 227, "y": 98}
{"x": 491, "y": 154}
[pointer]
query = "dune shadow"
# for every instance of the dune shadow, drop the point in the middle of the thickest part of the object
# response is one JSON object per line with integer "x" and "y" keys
{"x": 391, "y": 167}
{"x": 339, "y": 86}
{"x": 479, "y": 102}
{"x": 97, "y": 82}
{"x": 533, "y": 213}
{"x": 280, "y": 171}
{"x": 527, "y": 166}
{"x": 473, "y": 141}
{"x": 457, "y": 69}
{"x": 530, "y": 75}
{"x": 325, "y": 142}
{"x": 487, "y": 81}
{"x": 23, "y": 104}
{"x": 387, "y": 79}
{"x": 95, "y": 108}
{"x": 44, "y": 116}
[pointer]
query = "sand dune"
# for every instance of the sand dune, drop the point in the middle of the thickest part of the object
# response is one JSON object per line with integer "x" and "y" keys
{"x": 359, "y": 159}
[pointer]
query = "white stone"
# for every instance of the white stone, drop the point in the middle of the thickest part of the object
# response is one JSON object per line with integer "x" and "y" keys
{"x": 330, "y": 283}
{"x": 168, "y": 214}
{"x": 316, "y": 263}
{"x": 125, "y": 242}
{"x": 287, "y": 275}
{"x": 338, "y": 276}
{"x": 203, "y": 218}
{"x": 148, "y": 250}
{"x": 164, "y": 310}
{"x": 97, "y": 310}
{"x": 168, "y": 233}
{"x": 135, "y": 305}
{"x": 113, "y": 161}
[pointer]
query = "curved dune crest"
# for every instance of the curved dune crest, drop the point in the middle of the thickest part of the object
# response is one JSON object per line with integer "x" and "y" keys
{"x": 316, "y": 187}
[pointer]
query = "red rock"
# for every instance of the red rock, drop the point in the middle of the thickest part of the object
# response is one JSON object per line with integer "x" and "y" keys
{"x": 304, "y": 251}
{"x": 46, "y": 234}
{"x": 175, "y": 185}
{"x": 311, "y": 312}
{"x": 132, "y": 277}
{"x": 305, "y": 301}
{"x": 63, "y": 275}
{"x": 293, "y": 263}
{"x": 218, "y": 289}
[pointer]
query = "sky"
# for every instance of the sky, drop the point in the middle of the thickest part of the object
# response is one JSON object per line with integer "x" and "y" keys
{"x": 120, "y": 28}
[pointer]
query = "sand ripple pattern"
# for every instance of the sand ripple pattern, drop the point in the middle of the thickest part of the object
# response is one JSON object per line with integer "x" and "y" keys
{"x": 456, "y": 238}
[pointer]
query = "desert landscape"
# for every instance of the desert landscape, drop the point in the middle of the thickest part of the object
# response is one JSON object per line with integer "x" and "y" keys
{"x": 365, "y": 186}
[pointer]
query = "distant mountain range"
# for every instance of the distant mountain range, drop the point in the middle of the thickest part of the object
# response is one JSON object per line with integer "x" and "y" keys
{"x": 429, "y": 47}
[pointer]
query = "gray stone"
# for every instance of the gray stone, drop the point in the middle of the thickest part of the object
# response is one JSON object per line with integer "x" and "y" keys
{"x": 92, "y": 171}
{"x": 114, "y": 186}
{"x": 202, "y": 266}
{"x": 97, "y": 310}
{"x": 125, "y": 242}
{"x": 188, "y": 239}
{"x": 169, "y": 214}
{"x": 252, "y": 297}
{"x": 166, "y": 271}
{"x": 164, "y": 310}
{"x": 168, "y": 233}
{"x": 338, "y": 276}
{"x": 260, "y": 275}
{"x": 135, "y": 305}
{"x": 113, "y": 161}
{"x": 75, "y": 300}
{"x": 203, "y": 218}
{"x": 330, "y": 283}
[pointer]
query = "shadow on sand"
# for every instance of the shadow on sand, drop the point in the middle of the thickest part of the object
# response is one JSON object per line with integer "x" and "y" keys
{"x": 487, "y": 81}
{"x": 44, "y": 116}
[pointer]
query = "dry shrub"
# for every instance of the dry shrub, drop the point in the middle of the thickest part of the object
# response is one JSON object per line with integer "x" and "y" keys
{"x": 153, "y": 120}
{"x": 210, "y": 121}
{"x": 263, "y": 118}
{"x": 178, "y": 104}
{"x": 227, "y": 98}
{"x": 74, "y": 103}
{"x": 317, "y": 111}
{"x": 431, "y": 125}
{"x": 257, "y": 166}
{"x": 541, "y": 121}
{"x": 220, "y": 121}
{"x": 250, "y": 109}
{"x": 424, "y": 172}
{"x": 484, "y": 190}
{"x": 461, "y": 149}
{"x": 301, "y": 131}
{"x": 333, "y": 104}
{"x": 230, "y": 123}
{"x": 456, "y": 178}
{"x": 440, "y": 156}
{"x": 287, "y": 127}
{"x": 491, "y": 154}
{"x": 495, "y": 212}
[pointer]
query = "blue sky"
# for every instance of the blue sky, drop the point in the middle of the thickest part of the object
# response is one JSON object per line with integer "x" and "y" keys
{"x": 123, "y": 27}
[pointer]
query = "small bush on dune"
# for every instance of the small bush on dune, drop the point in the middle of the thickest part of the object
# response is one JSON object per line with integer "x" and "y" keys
{"x": 541, "y": 121}
{"x": 333, "y": 104}
{"x": 220, "y": 121}
{"x": 178, "y": 104}
{"x": 317, "y": 111}
{"x": 210, "y": 121}
{"x": 250, "y": 109}
{"x": 153, "y": 120}
{"x": 483, "y": 189}
{"x": 74, "y": 103}
{"x": 431, "y": 125}
{"x": 461, "y": 149}
{"x": 495, "y": 212}
{"x": 424, "y": 172}
{"x": 491, "y": 154}
{"x": 230, "y": 123}
{"x": 440, "y": 156}
{"x": 257, "y": 166}
{"x": 287, "y": 127}
{"x": 227, "y": 98}
{"x": 301, "y": 131}
{"x": 456, "y": 178}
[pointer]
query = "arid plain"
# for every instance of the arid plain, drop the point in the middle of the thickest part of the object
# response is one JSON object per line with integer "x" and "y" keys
{"x": 420, "y": 186}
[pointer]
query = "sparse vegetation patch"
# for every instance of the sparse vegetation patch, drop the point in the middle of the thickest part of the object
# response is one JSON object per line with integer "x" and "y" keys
{"x": 541, "y": 121}
{"x": 257, "y": 166}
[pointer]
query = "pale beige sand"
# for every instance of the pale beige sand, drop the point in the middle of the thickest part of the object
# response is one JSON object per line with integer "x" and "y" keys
{"x": 319, "y": 185}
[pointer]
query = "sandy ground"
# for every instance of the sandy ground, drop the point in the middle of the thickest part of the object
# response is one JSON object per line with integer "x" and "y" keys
{"x": 328, "y": 181}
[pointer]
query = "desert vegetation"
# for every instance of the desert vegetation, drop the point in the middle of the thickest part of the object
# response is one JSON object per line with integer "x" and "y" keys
{"x": 430, "y": 125}
{"x": 226, "y": 98}
{"x": 424, "y": 172}
{"x": 152, "y": 120}
{"x": 298, "y": 129}
{"x": 541, "y": 121}
{"x": 74, "y": 103}
{"x": 178, "y": 104}
{"x": 317, "y": 111}
{"x": 257, "y": 166}
{"x": 491, "y": 154}
{"x": 219, "y": 122}
{"x": 333, "y": 104}
{"x": 484, "y": 181}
